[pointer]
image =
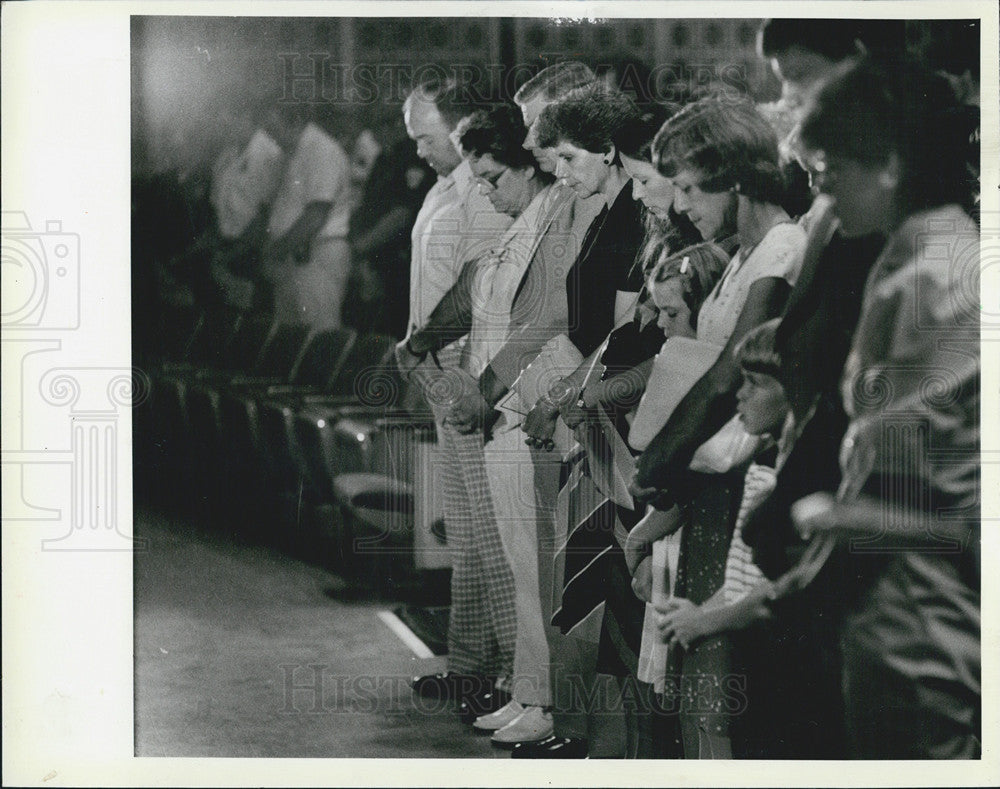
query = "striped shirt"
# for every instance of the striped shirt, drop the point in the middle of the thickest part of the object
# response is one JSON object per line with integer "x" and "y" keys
{"x": 742, "y": 574}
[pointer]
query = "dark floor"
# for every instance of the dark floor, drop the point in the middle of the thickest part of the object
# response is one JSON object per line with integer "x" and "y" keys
{"x": 240, "y": 651}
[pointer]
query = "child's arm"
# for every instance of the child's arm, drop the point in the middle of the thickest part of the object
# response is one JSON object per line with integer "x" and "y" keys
{"x": 686, "y": 623}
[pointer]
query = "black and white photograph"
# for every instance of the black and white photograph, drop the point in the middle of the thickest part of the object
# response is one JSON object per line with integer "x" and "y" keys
{"x": 449, "y": 382}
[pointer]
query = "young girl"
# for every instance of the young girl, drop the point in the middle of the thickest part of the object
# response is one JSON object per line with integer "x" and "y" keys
{"x": 762, "y": 408}
{"x": 677, "y": 286}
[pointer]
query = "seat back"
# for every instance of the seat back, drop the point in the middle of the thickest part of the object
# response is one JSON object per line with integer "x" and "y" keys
{"x": 323, "y": 357}
{"x": 245, "y": 346}
{"x": 385, "y": 445}
{"x": 176, "y": 328}
{"x": 281, "y": 351}
{"x": 366, "y": 375}
{"x": 313, "y": 453}
{"x": 215, "y": 332}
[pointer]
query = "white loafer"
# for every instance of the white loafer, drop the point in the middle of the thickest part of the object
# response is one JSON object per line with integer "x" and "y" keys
{"x": 530, "y": 726}
{"x": 499, "y": 719}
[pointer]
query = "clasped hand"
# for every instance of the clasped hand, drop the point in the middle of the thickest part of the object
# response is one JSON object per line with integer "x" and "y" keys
{"x": 406, "y": 360}
{"x": 652, "y": 495}
{"x": 814, "y": 514}
{"x": 469, "y": 413}
{"x": 540, "y": 425}
{"x": 678, "y": 621}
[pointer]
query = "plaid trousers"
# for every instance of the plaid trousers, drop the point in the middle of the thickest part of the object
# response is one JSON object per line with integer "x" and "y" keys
{"x": 482, "y": 628}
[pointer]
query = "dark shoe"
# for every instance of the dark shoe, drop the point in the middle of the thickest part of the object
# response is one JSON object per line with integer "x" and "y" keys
{"x": 484, "y": 702}
{"x": 451, "y": 685}
{"x": 551, "y": 748}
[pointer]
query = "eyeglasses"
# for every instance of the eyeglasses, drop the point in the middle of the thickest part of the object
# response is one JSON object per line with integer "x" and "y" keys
{"x": 489, "y": 182}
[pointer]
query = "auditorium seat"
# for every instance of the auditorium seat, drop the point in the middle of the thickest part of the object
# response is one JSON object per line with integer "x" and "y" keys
{"x": 175, "y": 329}
{"x": 242, "y": 408}
{"x": 276, "y": 411}
{"x": 388, "y": 514}
{"x": 229, "y": 340}
{"x": 275, "y": 364}
{"x": 365, "y": 380}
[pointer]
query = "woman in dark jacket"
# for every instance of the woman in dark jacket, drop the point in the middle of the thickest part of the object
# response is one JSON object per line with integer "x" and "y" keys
{"x": 604, "y": 289}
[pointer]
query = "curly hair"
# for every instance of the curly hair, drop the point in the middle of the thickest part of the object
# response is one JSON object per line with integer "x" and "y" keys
{"x": 729, "y": 142}
{"x": 586, "y": 117}
{"x": 498, "y": 131}
{"x": 698, "y": 267}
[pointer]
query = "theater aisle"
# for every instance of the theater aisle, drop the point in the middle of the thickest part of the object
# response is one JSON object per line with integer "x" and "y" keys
{"x": 240, "y": 652}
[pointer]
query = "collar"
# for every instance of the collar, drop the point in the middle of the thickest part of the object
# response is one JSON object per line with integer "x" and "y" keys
{"x": 462, "y": 177}
{"x": 623, "y": 198}
{"x": 529, "y": 220}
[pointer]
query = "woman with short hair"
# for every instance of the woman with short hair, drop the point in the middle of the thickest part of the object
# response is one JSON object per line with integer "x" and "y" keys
{"x": 722, "y": 157}
{"x": 602, "y": 289}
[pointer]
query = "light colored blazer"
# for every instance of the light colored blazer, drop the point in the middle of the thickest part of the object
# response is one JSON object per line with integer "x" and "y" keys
{"x": 539, "y": 310}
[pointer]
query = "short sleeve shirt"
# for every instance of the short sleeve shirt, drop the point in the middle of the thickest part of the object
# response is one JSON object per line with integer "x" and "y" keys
{"x": 459, "y": 225}
{"x": 317, "y": 172}
{"x": 245, "y": 183}
{"x": 779, "y": 254}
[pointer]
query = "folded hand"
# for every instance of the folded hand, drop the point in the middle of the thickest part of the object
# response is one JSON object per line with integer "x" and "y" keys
{"x": 678, "y": 621}
{"x": 469, "y": 413}
{"x": 540, "y": 425}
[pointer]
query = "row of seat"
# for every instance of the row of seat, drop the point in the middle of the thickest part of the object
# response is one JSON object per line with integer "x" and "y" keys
{"x": 294, "y": 436}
